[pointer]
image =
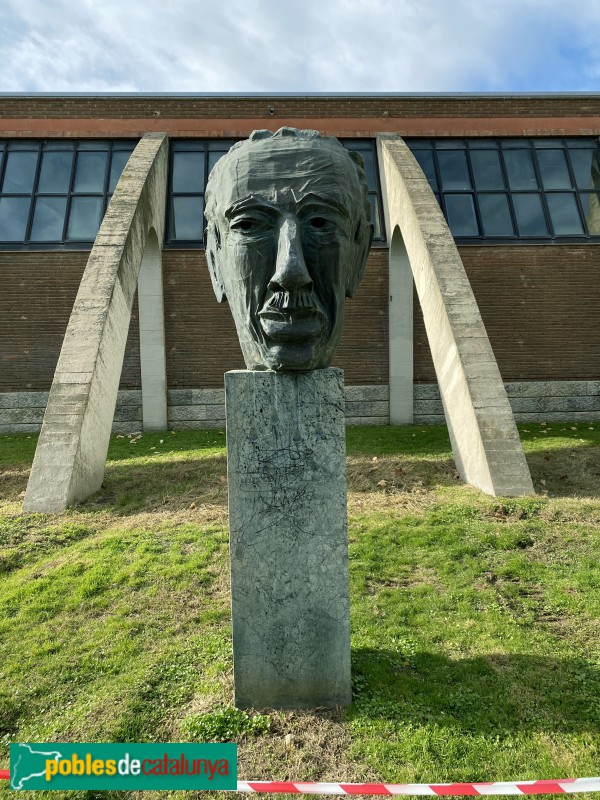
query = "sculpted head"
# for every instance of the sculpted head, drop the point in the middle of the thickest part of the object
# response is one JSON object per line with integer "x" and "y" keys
{"x": 287, "y": 241}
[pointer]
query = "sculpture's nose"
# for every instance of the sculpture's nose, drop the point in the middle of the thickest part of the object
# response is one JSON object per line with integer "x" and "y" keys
{"x": 290, "y": 269}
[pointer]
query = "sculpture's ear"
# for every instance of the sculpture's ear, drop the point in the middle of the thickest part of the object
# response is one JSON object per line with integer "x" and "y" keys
{"x": 212, "y": 237}
{"x": 362, "y": 244}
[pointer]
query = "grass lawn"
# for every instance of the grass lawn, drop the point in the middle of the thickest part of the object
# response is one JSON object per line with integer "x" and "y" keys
{"x": 475, "y": 620}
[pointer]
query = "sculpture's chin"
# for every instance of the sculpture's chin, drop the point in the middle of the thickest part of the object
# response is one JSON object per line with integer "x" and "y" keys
{"x": 292, "y": 356}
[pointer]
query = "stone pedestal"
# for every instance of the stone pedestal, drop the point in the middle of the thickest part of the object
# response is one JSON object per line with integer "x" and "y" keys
{"x": 288, "y": 538}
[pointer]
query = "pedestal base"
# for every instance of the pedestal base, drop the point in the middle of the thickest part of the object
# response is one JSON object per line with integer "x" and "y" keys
{"x": 288, "y": 538}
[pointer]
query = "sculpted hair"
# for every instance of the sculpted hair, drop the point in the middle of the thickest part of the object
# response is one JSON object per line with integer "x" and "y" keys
{"x": 356, "y": 166}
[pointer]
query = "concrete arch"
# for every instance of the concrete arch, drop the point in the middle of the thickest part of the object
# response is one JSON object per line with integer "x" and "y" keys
{"x": 485, "y": 441}
{"x": 71, "y": 452}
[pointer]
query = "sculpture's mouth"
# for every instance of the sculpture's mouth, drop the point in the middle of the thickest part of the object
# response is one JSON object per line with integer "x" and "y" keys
{"x": 292, "y": 324}
{"x": 292, "y": 316}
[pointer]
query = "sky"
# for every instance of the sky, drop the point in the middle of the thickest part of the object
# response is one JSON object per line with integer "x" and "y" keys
{"x": 299, "y": 45}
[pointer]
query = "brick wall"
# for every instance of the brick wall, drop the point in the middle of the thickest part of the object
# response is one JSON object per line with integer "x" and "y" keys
{"x": 320, "y": 106}
{"x": 38, "y": 290}
{"x": 36, "y": 298}
{"x": 540, "y": 306}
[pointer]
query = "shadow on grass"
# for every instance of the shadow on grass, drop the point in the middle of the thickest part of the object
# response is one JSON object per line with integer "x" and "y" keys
{"x": 139, "y": 476}
{"x": 495, "y": 693}
{"x": 567, "y": 472}
{"x": 130, "y": 487}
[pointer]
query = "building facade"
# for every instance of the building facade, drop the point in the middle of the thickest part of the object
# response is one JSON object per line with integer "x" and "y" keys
{"x": 517, "y": 177}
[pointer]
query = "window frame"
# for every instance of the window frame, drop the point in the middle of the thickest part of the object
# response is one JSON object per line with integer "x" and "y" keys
{"x": 216, "y": 145}
{"x": 502, "y": 145}
{"x": 75, "y": 147}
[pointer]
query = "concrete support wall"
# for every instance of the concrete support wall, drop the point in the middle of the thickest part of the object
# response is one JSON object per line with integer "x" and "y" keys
{"x": 71, "y": 452}
{"x": 401, "y": 333}
{"x": 483, "y": 433}
{"x": 152, "y": 338}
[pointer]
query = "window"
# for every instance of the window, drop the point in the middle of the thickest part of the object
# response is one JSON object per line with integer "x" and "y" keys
{"x": 54, "y": 193}
{"x": 190, "y": 166}
{"x": 509, "y": 189}
{"x": 367, "y": 149}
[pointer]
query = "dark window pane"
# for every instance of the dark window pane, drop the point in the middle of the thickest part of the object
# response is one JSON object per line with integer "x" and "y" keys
{"x": 90, "y": 172}
{"x": 194, "y": 144}
{"x": 553, "y": 169}
{"x": 541, "y": 143}
{"x": 582, "y": 142}
{"x": 512, "y": 143}
{"x": 425, "y": 159}
{"x": 187, "y": 218}
{"x": 453, "y": 170}
{"x": 129, "y": 146}
{"x": 48, "y": 219}
{"x": 188, "y": 172}
{"x": 55, "y": 174}
{"x": 530, "y": 215}
{"x": 213, "y": 157}
{"x": 477, "y": 144}
{"x": 20, "y": 172}
{"x": 591, "y": 211}
{"x": 586, "y": 168}
{"x": 495, "y": 215}
{"x": 117, "y": 165}
{"x": 375, "y": 216}
{"x": 564, "y": 214}
{"x": 486, "y": 169}
{"x": 519, "y": 168}
{"x": 84, "y": 218}
{"x": 369, "y": 160}
{"x": 92, "y": 144}
{"x": 449, "y": 144}
{"x": 15, "y": 144}
{"x": 58, "y": 144}
{"x": 14, "y": 212}
{"x": 461, "y": 215}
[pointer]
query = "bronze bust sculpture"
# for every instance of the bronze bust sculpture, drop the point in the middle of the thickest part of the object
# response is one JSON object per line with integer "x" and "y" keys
{"x": 287, "y": 240}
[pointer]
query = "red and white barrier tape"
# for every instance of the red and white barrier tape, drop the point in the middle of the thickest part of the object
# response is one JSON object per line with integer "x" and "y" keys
{"x": 566, "y": 786}
{"x": 563, "y": 786}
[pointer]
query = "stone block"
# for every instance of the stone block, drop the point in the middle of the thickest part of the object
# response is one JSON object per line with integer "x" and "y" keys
{"x": 19, "y": 416}
{"x": 288, "y": 538}
{"x": 19, "y": 427}
{"x": 23, "y": 399}
{"x": 430, "y": 419}
{"x": 188, "y": 413}
{"x": 368, "y": 408}
{"x": 426, "y": 391}
{"x": 354, "y": 422}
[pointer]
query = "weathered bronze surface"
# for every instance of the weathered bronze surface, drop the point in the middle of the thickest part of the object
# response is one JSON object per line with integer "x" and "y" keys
{"x": 287, "y": 240}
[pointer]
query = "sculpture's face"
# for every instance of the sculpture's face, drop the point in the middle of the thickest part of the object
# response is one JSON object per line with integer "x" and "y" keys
{"x": 284, "y": 248}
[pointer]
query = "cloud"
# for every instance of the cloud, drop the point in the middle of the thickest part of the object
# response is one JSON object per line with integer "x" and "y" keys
{"x": 308, "y": 46}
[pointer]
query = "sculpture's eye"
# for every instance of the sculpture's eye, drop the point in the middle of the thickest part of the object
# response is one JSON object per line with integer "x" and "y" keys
{"x": 250, "y": 225}
{"x": 318, "y": 222}
{"x": 244, "y": 225}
